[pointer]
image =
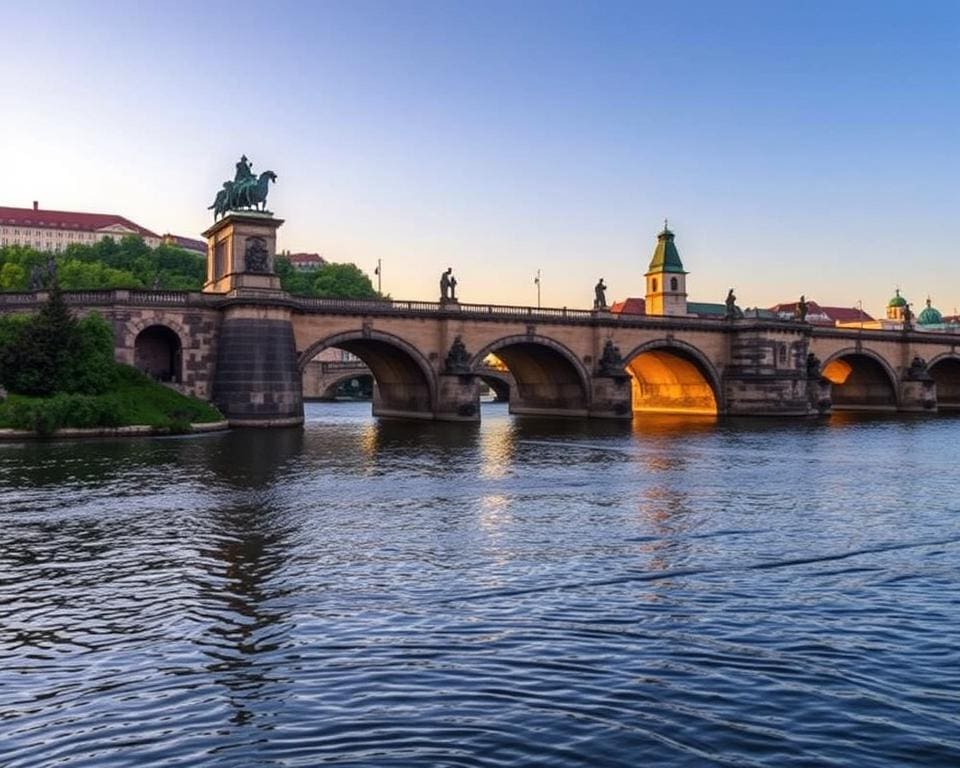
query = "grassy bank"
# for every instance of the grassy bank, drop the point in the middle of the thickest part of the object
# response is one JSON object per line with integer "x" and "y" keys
{"x": 134, "y": 399}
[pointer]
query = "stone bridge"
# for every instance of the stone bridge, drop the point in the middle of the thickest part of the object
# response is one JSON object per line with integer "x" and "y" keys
{"x": 248, "y": 350}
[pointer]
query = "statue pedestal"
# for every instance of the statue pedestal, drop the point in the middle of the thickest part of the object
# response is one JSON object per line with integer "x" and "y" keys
{"x": 240, "y": 252}
{"x": 257, "y": 382}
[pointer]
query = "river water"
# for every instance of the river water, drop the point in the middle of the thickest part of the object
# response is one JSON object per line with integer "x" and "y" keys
{"x": 520, "y": 592}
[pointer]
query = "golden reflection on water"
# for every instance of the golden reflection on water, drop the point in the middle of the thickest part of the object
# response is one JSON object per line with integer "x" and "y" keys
{"x": 497, "y": 447}
{"x": 672, "y": 425}
{"x": 495, "y": 514}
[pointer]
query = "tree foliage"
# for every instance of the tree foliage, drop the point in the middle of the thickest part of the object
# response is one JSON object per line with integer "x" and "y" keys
{"x": 53, "y": 352}
{"x": 340, "y": 281}
{"x": 129, "y": 263}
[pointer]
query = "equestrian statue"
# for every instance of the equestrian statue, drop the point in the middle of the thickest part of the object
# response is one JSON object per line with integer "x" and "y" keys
{"x": 246, "y": 191}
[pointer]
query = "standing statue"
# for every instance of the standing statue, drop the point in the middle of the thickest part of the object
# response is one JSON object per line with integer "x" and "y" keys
{"x": 731, "y": 303}
{"x": 448, "y": 286}
{"x": 51, "y": 271}
{"x": 36, "y": 278}
{"x": 246, "y": 190}
{"x": 907, "y": 317}
{"x": 801, "y": 312}
{"x": 600, "y": 295}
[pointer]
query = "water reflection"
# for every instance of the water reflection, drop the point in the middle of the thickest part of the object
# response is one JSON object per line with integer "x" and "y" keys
{"x": 247, "y": 547}
{"x": 523, "y": 591}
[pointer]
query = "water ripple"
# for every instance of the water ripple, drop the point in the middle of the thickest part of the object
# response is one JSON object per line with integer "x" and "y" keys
{"x": 526, "y": 593}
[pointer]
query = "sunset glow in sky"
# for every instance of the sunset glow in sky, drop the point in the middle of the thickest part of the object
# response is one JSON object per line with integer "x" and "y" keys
{"x": 795, "y": 147}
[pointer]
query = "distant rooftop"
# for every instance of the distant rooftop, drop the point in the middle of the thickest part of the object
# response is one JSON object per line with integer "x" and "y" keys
{"x": 818, "y": 314}
{"x": 83, "y": 222}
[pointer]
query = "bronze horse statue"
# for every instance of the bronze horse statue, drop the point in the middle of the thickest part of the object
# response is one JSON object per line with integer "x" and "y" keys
{"x": 253, "y": 195}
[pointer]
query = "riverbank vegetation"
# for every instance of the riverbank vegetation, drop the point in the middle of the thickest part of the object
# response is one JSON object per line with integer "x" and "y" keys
{"x": 131, "y": 263}
{"x": 59, "y": 372}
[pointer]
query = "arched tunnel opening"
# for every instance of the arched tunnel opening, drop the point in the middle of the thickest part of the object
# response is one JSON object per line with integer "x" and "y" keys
{"x": 399, "y": 384}
{"x": 546, "y": 380}
{"x": 670, "y": 381}
{"x": 860, "y": 383}
{"x": 158, "y": 353}
{"x": 946, "y": 374}
{"x": 497, "y": 387}
{"x": 495, "y": 379}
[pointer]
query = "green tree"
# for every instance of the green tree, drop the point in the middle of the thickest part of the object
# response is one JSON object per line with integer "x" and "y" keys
{"x": 36, "y": 360}
{"x": 346, "y": 281}
{"x": 13, "y": 277}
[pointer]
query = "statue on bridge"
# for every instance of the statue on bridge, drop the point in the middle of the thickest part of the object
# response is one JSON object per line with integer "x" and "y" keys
{"x": 448, "y": 286}
{"x": 36, "y": 278}
{"x": 918, "y": 370}
{"x": 611, "y": 362}
{"x": 600, "y": 295}
{"x": 458, "y": 359}
{"x": 246, "y": 191}
{"x": 813, "y": 366}
{"x": 801, "y": 310}
{"x": 731, "y": 304}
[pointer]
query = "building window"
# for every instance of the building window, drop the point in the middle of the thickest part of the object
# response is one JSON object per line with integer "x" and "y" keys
{"x": 653, "y": 285}
{"x": 673, "y": 283}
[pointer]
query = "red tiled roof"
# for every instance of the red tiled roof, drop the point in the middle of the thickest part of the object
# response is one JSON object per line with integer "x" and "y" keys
{"x": 630, "y": 307}
{"x": 820, "y": 315}
{"x": 87, "y": 222}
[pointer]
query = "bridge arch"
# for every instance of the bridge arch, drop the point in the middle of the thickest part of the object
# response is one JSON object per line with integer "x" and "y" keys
{"x": 158, "y": 350}
{"x": 332, "y": 383}
{"x": 672, "y": 375}
{"x": 499, "y": 384}
{"x": 945, "y": 370}
{"x": 404, "y": 383}
{"x": 549, "y": 378}
{"x": 861, "y": 379}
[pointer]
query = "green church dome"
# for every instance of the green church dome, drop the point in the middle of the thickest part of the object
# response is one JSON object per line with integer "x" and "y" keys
{"x": 930, "y": 316}
{"x": 897, "y": 301}
{"x": 666, "y": 258}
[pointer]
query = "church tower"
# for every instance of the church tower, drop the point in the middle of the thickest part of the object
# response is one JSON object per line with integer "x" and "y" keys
{"x": 666, "y": 279}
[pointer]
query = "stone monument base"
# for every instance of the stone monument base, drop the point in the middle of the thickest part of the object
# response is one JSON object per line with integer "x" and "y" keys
{"x": 257, "y": 381}
{"x": 240, "y": 252}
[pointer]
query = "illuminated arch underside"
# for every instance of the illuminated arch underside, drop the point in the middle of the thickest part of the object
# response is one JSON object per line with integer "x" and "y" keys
{"x": 667, "y": 382}
{"x": 859, "y": 382}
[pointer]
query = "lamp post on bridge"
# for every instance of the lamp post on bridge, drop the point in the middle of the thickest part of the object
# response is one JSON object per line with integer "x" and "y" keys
{"x": 537, "y": 281}
{"x": 379, "y": 277}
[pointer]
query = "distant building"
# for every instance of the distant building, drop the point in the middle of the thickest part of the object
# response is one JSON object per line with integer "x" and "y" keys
{"x": 304, "y": 262}
{"x": 186, "y": 243}
{"x": 667, "y": 287}
{"x": 666, "y": 279}
{"x": 817, "y": 314}
{"x": 54, "y": 230}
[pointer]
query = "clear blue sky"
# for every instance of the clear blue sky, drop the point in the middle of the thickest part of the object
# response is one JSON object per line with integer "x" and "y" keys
{"x": 796, "y": 147}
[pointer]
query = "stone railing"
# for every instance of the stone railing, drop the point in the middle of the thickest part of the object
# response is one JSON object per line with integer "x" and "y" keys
{"x": 160, "y": 298}
{"x": 392, "y": 306}
{"x": 338, "y": 366}
{"x": 100, "y": 298}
